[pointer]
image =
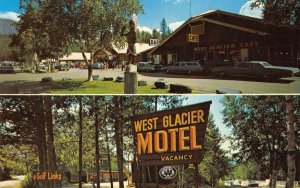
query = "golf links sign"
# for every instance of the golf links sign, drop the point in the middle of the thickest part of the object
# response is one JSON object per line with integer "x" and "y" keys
{"x": 171, "y": 137}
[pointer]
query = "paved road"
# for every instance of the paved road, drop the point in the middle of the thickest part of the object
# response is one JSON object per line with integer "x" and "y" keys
{"x": 12, "y": 183}
{"x": 102, "y": 185}
{"x": 205, "y": 84}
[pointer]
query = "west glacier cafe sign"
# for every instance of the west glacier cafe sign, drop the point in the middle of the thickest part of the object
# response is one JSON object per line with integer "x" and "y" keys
{"x": 171, "y": 137}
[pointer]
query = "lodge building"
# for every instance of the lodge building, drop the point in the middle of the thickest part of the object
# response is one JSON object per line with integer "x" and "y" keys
{"x": 217, "y": 38}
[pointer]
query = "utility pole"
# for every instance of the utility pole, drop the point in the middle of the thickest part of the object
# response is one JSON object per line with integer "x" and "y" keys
{"x": 190, "y": 8}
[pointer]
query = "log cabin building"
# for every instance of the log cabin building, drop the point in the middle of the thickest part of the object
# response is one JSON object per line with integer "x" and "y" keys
{"x": 142, "y": 50}
{"x": 217, "y": 38}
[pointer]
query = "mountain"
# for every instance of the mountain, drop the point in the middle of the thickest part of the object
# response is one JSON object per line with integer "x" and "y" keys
{"x": 7, "y": 27}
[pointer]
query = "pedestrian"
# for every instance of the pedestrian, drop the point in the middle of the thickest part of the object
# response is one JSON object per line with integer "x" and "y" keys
{"x": 113, "y": 65}
{"x": 105, "y": 66}
{"x": 122, "y": 67}
{"x": 102, "y": 66}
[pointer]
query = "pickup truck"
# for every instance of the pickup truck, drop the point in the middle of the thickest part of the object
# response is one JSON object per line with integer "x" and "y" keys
{"x": 259, "y": 69}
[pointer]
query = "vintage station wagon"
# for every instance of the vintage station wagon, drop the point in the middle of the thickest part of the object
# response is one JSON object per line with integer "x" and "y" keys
{"x": 185, "y": 67}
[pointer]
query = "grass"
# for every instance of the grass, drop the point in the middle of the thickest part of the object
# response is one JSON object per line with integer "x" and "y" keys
{"x": 79, "y": 86}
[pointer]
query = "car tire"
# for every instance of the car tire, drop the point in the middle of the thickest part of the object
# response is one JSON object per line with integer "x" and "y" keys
{"x": 189, "y": 72}
{"x": 167, "y": 71}
{"x": 267, "y": 78}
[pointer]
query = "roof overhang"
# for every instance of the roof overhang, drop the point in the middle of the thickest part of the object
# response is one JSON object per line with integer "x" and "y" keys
{"x": 253, "y": 31}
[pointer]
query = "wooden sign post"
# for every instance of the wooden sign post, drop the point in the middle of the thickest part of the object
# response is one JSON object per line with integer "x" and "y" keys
{"x": 171, "y": 137}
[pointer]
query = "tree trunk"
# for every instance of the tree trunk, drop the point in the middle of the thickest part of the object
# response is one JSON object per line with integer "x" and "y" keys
{"x": 196, "y": 176}
{"x": 273, "y": 178}
{"x": 50, "y": 141}
{"x": 41, "y": 136}
{"x": 97, "y": 143}
{"x": 119, "y": 138}
{"x": 291, "y": 163}
{"x": 89, "y": 64}
{"x": 52, "y": 166}
{"x": 109, "y": 160}
{"x": 80, "y": 142}
{"x": 34, "y": 64}
{"x": 41, "y": 133}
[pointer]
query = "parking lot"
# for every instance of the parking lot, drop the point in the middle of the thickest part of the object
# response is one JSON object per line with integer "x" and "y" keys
{"x": 203, "y": 83}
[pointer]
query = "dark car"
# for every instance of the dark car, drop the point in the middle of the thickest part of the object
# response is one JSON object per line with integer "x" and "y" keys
{"x": 62, "y": 67}
{"x": 258, "y": 69}
{"x": 7, "y": 68}
{"x": 185, "y": 67}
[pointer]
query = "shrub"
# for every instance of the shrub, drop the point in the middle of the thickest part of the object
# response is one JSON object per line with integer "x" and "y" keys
{"x": 27, "y": 182}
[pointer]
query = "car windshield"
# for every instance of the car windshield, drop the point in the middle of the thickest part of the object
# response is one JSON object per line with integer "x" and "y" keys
{"x": 265, "y": 64}
{"x": 144, "y": 63}
{"x": 6, "y": 65}
{"x": 193, "y": 64}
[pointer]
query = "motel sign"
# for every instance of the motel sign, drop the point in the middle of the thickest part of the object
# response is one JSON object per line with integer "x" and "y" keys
{"x": 171, "y": 137}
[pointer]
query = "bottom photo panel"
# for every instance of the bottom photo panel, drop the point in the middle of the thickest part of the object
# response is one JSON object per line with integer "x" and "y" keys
{"x": 180, "y": 141}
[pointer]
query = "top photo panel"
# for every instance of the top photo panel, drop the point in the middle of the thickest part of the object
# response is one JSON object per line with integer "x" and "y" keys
{"x": 149, "y": 47}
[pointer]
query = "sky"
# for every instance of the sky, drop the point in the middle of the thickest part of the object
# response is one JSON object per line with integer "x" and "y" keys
{"x": 215, "y": 110}
{"x": 174, "y": 11}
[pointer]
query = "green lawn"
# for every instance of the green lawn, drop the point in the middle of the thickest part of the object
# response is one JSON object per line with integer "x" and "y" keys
{"x": 79, "y": 86}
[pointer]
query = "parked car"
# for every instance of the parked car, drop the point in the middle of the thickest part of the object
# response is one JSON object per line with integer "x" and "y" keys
{"x": 41, "y": 69}
{"x": 80, "y": 65}
{"x": 253, "y": 184}
{"x": 260, "y": 69}
{"x": 148, "y": 67}
{"x": 97, "y": 65}
{"x": 185, "y": 67}
{"x": 62, "y": 67}
{"x": 17, "y": 69}
{"x": 72, "y": 65}
{"x": 7, "y": 68}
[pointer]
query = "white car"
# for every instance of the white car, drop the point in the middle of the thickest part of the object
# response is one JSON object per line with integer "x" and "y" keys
{"x": 188, "y": 67}
{"x": 41, "y": 68}
{"x": 148, "y": 67}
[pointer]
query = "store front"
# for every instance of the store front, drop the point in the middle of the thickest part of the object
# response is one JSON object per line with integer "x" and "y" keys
{"x": 217, "y": 38}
